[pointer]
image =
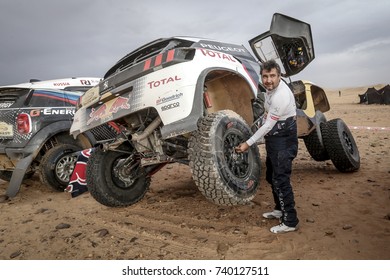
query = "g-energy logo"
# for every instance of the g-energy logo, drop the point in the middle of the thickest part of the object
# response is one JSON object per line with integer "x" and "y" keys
{"x": 52, "y": 111}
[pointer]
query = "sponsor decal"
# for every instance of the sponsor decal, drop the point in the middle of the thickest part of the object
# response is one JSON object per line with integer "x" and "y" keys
{"x": 52, "y": 111}
{"x": 85, "y": 82}
{"x": 97, "y": 114}
{"x": 170, "y": 106}
{"x": 169, "y": 98}
{"x": 218, "y": 55}
{"x": 6, "y": 130}
{"x": 61, "y": 84}
{"x": 90, "y": 96}
{"x": 105, "y": 85}
{"x": 154, "y": 84}
{"x": 106, "y": 110}
{"x": 222, "y": 48}
{"x": 5, "y": 105}
{"x": 119, "y": 103}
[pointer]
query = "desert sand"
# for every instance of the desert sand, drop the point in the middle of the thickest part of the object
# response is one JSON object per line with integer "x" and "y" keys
{"x": 343, "y": 216}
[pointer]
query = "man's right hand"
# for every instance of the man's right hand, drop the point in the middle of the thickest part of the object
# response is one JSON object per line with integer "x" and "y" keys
{"x": 242, "y": 147}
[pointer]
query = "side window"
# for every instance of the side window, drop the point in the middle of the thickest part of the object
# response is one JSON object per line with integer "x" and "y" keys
{"x": 78, "y": 88}
{"x": 13, "y": 97}
{"x": 47, "y": 98}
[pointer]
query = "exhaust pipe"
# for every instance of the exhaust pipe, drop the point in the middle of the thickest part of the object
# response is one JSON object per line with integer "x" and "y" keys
{"x": 149, "y": 130}
{"x": 133, "y": 137}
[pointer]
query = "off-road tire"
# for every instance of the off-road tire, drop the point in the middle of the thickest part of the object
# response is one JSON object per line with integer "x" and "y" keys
{"x": 314, "y": 141}
{"x": 107, "y": 187}
{"x": 6, "y": 175}
{"x": 314, "y": 146}
{"x": 57, "y": 165}
{"x": 223, "y": 176}
{"x": 341, "y": 146}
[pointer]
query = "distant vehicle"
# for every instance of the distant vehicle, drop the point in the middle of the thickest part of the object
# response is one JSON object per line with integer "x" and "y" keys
{"x": 35, "y": 119}
{"x": 192, "y": 101}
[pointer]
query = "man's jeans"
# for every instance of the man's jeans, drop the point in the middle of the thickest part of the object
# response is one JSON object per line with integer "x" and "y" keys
{"x": 281, "y": 150}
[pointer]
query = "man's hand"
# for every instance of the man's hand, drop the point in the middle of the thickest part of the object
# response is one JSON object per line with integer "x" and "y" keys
{"x": 241, "y": 148}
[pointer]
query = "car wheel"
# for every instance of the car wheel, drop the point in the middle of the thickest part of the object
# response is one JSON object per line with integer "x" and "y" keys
{"x": 57, "y": 166}
{"x": 223, "y": 176}
{"x": 314, "y": 141}
{"x": 341, "y": 146}
{"x": 116, "y": 179}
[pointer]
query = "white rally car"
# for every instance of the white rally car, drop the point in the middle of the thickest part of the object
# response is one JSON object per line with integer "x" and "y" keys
{"x": 189, "y": 100}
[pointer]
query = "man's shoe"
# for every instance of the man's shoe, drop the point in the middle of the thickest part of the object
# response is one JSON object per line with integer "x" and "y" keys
{"x": 282, "y": 228}
{"x": 275, "y": 214}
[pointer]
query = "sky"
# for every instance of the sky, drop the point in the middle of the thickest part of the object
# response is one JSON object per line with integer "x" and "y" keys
{"x": 49, "y": 39}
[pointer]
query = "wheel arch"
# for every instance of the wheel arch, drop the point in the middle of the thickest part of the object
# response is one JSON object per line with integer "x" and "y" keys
{"x": 227, "y": 90}
{"x": 57, "y": 131}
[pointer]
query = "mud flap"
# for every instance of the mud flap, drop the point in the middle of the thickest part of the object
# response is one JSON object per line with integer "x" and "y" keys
{"x": 17, "y": 176}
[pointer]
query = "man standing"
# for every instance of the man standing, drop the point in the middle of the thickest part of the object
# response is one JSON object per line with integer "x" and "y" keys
{"x": 280, "y": 133}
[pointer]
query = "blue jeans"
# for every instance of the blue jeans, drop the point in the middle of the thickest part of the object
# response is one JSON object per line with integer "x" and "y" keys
{"x": 281, "y": 149}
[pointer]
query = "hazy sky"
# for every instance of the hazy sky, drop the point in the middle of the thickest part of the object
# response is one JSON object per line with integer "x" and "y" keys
{"x": 47, "y": 39}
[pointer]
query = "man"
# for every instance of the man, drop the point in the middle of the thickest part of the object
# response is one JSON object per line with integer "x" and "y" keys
{"x": 280, "y": 133}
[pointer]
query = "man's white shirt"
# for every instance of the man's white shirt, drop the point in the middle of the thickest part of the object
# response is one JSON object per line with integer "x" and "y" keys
{"x": 279, "y": 105}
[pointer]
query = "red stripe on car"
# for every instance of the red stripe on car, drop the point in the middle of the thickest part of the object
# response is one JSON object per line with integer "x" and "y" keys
{"x": 158, "y": 60}
{"x": 147, "y": 64}
{"x": 170, "y": 55}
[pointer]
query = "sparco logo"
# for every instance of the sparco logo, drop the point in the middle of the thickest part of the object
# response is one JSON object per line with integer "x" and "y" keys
{"x": 170, "y": 106}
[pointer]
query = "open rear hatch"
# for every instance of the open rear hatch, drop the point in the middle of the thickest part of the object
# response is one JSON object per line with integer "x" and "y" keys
{"x": 289, "y": 42}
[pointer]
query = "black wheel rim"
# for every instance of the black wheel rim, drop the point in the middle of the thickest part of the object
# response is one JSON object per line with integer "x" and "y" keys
{"x": 348, "y": 142}
{"x": 238, "y": 163}
{"x": 125, "y": 175}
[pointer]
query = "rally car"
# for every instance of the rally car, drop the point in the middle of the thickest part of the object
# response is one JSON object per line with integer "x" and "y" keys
{"x": 192, "y": 101}
{"x": 35, "y": 119}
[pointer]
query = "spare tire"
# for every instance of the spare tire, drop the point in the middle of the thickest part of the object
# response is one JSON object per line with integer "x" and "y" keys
{"x": 314, "y": 141}
{"x": 341, "y": 146}
{"x": 314, "y": 145}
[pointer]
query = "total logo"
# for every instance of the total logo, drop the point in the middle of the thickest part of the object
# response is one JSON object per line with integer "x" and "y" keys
{"x": 218, "y": 55}
{"x": 170, "y": 106}
{"x": 154, "y": 84}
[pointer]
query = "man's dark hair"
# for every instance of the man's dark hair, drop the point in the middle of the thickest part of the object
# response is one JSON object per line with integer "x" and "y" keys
{"x": 269, "y": 65}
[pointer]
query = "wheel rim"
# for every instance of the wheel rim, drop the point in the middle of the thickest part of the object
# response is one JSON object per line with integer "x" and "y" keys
{"x": 238, "y": 163}
{"x": 125, "y": 173}
{"x": 348, "y": 143}
{"x": 64, "y": 168}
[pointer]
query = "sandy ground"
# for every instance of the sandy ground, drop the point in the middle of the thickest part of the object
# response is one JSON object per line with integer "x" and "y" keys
{"x": 343, "y": 216}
